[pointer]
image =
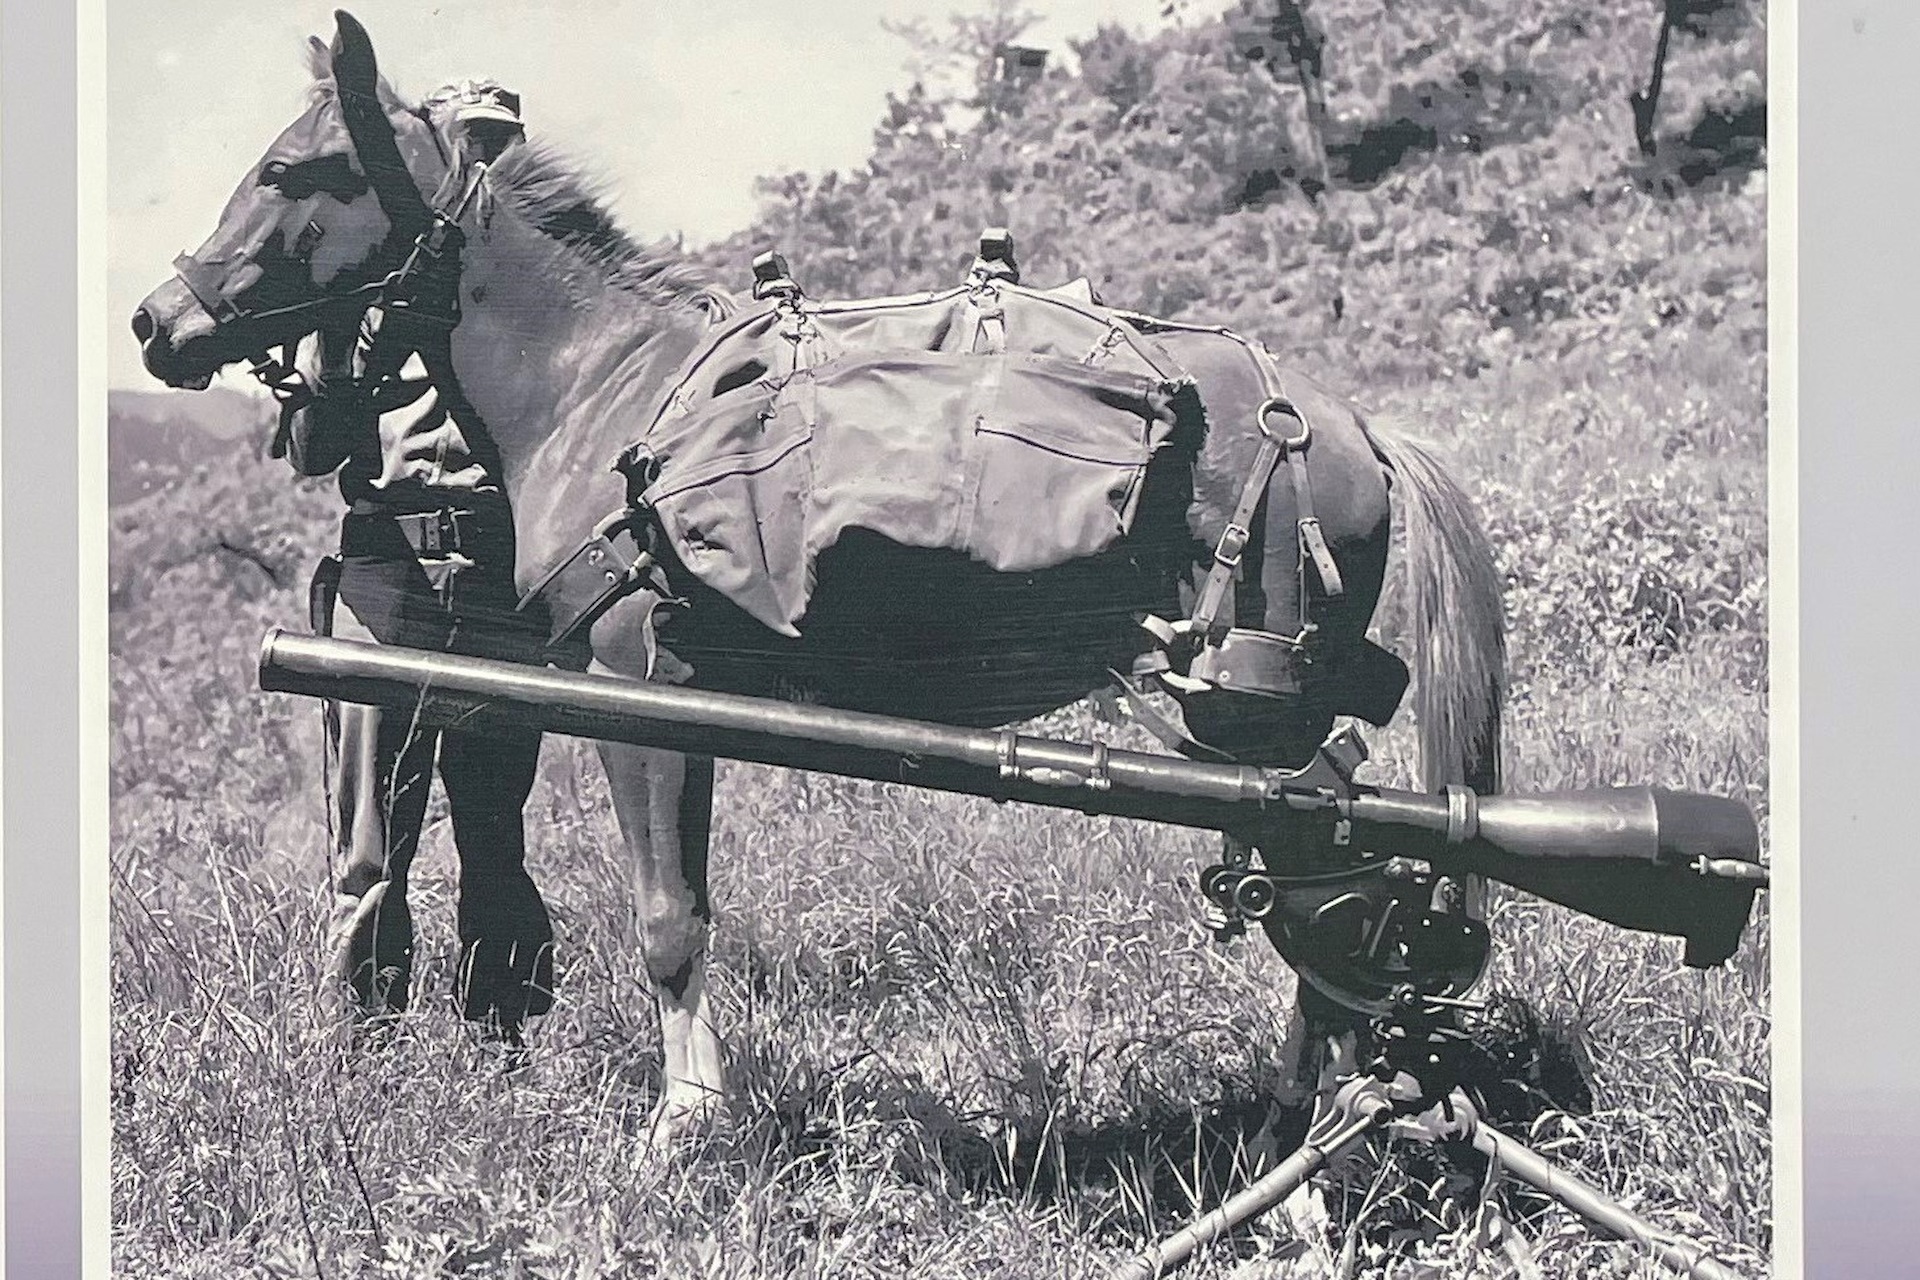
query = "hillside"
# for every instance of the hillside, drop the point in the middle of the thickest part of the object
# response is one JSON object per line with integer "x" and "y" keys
{"x": 1485, "y": 186}
{"x": 1492, "y": 239}
{"x": 154, "y": 438}
{"x": 974, "y": 1041}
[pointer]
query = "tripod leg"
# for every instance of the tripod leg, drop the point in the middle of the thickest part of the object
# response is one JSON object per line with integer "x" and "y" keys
{"x": 1322, "y": 1047}
{"x": 1369, "y": 1114}
{"x": 1674, "y": 1253}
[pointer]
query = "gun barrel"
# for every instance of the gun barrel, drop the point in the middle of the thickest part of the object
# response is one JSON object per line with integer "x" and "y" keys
{"x": 445, "y": 690}
{"x": 1636, "y": 856}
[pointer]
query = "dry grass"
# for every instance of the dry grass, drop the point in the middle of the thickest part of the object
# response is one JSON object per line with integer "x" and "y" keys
{"x": 966, "y": 1040}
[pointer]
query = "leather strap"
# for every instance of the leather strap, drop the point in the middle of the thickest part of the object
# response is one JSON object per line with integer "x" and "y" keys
{"x": 1313, "y": 543}
{"x": 989, "y": 323}
{"x": 1309, "y": 542}
{"x": 322, "y": 593}
{"x": 1247, "y": 661}
{"x": 1285, "y": 434}
{"x": 1144, "y": 714}
{"x": 610, "y": 565}
{"x": 802, "y": 334}
{"x": 1209, "y": 622}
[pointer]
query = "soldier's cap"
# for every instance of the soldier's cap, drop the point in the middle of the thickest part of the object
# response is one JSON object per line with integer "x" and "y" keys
{"x": 473, "y": 101}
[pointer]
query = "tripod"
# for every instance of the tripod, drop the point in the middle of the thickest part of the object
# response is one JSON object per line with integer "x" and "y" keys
{"x": 1414, "y": 1084}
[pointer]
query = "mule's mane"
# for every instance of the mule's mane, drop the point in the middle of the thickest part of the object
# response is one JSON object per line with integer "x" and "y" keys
{"x": 554, "y": 197}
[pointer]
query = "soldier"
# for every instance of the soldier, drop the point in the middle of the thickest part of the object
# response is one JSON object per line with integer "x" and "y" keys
{"x": 426, "y": 560}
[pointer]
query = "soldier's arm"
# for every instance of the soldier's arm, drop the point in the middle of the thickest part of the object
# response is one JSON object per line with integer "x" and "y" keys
{"x": 322, "y": 417}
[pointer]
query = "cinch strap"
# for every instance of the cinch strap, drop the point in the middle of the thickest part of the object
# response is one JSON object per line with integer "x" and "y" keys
{"x": 1144, "y": 715}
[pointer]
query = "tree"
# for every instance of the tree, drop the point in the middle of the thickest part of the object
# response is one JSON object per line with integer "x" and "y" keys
{"x": 1272, "y": 32}
{"x": 966, "y": 58}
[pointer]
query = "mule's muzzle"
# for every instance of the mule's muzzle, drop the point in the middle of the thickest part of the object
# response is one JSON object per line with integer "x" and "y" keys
{"x": 178, "y": 339}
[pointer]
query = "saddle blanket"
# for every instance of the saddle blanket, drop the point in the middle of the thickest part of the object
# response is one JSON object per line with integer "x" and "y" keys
{"x": 1012, "y": 424}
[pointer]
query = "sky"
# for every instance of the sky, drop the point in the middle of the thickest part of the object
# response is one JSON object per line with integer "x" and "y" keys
{"x": 681, "y": 104}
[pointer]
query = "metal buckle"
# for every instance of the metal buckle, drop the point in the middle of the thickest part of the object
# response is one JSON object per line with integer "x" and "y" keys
{"x": 772, "y": 278}
{"x": 995, "y": 260}
{"x": 1233, "y": 541}
{"x": 441, "y": 533}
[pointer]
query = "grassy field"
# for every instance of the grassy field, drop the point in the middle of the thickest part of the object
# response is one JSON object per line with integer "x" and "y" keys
{"x": 980, "y": 1041}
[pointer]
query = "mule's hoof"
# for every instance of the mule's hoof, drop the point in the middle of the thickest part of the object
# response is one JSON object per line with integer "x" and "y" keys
{"x": 350, "y": 937}
{"x": 678, "y": 1122}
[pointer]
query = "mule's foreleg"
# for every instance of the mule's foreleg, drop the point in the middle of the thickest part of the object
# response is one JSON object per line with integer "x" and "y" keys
{"x": 664, "y": 801}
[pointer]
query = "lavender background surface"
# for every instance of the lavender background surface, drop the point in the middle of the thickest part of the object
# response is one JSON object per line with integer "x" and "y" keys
{"x": 1859, "y": 451}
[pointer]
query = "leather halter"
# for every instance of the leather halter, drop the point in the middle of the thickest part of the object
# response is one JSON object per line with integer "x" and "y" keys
{"x": 419, "y": 300}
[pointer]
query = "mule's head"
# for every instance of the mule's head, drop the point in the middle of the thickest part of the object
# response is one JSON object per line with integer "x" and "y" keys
{"x": 333, "y": 205}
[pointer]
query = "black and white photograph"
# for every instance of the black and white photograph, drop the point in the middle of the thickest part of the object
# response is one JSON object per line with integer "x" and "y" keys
{"x": 955, "y": 638}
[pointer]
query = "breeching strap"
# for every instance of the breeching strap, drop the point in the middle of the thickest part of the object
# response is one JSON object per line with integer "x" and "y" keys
{"x": 1209, "y": 621}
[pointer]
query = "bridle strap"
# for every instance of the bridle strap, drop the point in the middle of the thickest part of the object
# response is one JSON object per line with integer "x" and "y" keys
{"x": 419, "y": 301}
{"x": 191, "y": 272}
{"x": 433, "y": 228}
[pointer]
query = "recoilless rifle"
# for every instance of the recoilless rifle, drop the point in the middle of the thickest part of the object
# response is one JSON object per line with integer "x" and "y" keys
{"x": 1343, "y": 866}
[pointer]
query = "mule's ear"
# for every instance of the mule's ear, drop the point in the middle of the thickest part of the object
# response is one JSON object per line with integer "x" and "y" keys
{"x": 354, "y": 68}
{"x": 319, "y": 58}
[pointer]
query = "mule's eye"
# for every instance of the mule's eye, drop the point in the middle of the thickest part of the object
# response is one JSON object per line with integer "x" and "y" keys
{"x": 331, "y": 174}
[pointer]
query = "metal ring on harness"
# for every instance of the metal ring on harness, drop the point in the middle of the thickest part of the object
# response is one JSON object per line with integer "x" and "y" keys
{"x": 1280, "y": 404}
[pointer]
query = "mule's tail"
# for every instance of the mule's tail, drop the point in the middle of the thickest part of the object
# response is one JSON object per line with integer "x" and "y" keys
{"x": 1451, "y": 619}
